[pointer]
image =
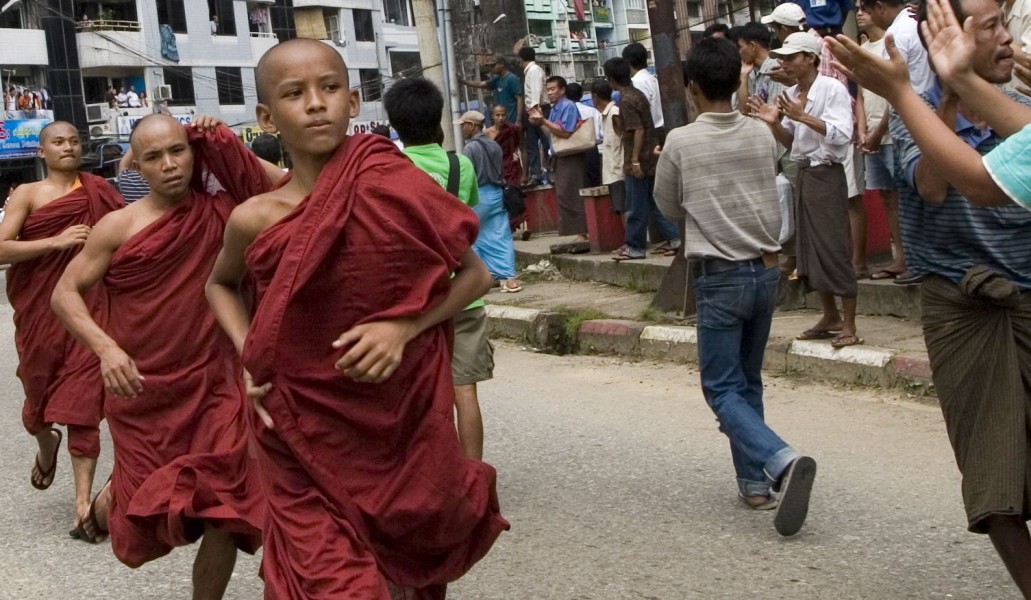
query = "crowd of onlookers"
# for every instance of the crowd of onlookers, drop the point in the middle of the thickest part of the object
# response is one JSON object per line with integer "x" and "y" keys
{"x": 21, "y": 98}
{"x": 122, "y": 98}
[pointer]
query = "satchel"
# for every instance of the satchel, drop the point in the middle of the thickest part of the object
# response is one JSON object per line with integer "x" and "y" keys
{"x": 582, "y": 140}
{"x": 514, "y": 200}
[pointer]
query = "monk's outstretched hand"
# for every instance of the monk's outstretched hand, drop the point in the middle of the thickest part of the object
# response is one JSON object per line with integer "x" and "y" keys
{"x": 121, "y": 377}
{"x": 256, "y": 393}
{"x": 375, "y": 350}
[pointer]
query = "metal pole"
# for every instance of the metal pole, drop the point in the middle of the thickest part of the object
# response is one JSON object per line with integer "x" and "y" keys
{"x": 451, "y": 91}
{"x": 433, "y": 66}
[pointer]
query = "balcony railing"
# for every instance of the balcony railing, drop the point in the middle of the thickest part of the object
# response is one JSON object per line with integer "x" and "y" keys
{"x": 263, "y": 34}
{"x": 106, "y": 25}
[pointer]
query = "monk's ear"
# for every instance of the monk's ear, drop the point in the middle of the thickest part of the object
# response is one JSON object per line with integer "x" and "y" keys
{"x": 355, "y": 102}
{"x": 264, "y": 116}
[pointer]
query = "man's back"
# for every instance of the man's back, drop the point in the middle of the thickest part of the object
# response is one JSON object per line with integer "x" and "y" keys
{"x": 720, "y": 173}
{"x": 432, "y": 158}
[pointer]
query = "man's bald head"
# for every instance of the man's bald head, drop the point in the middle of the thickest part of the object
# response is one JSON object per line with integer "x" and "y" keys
{"x": 168, "y": 125}
{"x": 290, "y": 52}
{"x": 63, "y": 127}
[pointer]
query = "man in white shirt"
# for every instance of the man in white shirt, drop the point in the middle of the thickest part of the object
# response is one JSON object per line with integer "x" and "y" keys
{"x": 132, "y": 98}
{"x": 122, "y": 98}
{"x": 817, "y": 126}
{"x": 637, "y": 56}
{"x": 1016, "y": 15}
{"x": 611, "y": 145}
{"x": 533, "y": 95}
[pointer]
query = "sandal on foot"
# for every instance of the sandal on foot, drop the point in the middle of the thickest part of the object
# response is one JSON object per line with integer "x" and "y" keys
{"x": 506, "y": 289}
{"x": 863, "y": 274}
{"x": 843, "y": 341}
{"x": 769, "y": 502}
{"x": 41, "y": 479}
{"x": 816, "y": 334}
{"x": 81, "y": 532}
{"x": 664, "y": 249}
{"x": 624, "y": 255}
{"x": 795, "y": 488}
{"x": 884, "y": 274}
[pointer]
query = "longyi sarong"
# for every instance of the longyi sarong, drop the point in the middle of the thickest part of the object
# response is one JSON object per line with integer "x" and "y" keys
{"x": 821, "y": 230}
{"x": 570, "y": 174}
{"x": 978, "y": 336}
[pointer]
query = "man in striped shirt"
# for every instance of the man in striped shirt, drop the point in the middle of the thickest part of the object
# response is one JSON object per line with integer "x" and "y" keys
{"x": 719, "y": 174}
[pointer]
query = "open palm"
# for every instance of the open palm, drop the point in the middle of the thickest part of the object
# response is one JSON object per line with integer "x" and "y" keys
{"x": 950, "y": 46}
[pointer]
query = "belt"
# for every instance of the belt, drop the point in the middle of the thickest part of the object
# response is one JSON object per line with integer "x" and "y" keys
{"x": 710, "y": 266}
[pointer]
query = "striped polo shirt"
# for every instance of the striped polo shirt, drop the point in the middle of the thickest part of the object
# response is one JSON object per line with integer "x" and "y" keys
{"x": 950, "y": 238}
{"x": 132, "y": 185}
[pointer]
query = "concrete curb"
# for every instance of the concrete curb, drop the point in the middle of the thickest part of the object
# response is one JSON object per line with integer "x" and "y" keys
{"x": 856, "y": 365}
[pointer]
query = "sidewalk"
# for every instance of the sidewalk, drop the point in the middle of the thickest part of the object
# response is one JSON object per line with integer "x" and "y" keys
{"x": 592, "y": 304}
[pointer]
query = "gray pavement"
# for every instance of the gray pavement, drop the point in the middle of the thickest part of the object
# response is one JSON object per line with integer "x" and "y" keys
{"x": 618, "y": 486}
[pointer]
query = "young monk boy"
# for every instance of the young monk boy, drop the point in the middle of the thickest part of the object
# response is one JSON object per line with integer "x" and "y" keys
{"x": 368, "y": 493}
{"x": 44, "y": 227}
{"x": 175, "y": 406}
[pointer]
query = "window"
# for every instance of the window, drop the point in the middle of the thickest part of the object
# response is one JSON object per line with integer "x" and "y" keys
{"x": 223, "y": 18}
{"x": 311, "y": 23}
{"x": 398, "y": 12}
{"x": 372, "y": 84}
{"x": 331, "y": 18}
{"x": 363, "y": 30}
{"x": 94, "y": 89}
{"x": 635, "y": 4}
{"x": 405, "y": 63}
{"x": 181, "y": 80}
{"x": 172, "y": 13}
{"x": 230, "y": 85}
{"x": 11, "y": 18}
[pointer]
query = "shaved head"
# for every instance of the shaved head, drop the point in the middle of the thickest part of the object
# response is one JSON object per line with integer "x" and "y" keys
{"x": 149, "y": 122}
{"x": 55, "y": 127}
{"x": 289, "y": 52}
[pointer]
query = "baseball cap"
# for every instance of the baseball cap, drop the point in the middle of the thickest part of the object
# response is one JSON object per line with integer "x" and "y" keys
{"x": 500, "y": 58}
{"x": 471, "y": 116}
{"x": 799, "y": 42}
{"x": 789, "y": 14}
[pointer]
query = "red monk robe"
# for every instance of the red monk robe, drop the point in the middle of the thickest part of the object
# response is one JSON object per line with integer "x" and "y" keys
{"x": 363, "y": 479}
{"x": 181, "y": 445}
{"x": 61, "y": 377}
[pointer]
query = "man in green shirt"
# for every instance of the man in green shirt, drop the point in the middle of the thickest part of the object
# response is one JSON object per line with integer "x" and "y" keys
{"x": 415, "y": 107}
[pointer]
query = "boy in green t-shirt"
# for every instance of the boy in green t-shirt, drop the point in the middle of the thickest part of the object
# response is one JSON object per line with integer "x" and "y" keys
{"x": 415, "y": 107}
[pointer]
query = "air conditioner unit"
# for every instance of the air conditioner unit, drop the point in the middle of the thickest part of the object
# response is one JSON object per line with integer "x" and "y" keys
{"x": 162, "y": 93}
{"x": 102, "y": 130}
{"x": 96, "y": 113}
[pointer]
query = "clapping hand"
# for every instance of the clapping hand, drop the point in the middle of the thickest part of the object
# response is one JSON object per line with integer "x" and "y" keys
{"x": 792, "y": 109}
{"x": 950, "y": 45}
{"x": 885, "y": 77}
{"x": 765, "y": 112}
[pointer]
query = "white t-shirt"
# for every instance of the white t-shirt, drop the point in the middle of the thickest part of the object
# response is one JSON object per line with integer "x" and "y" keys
{"x": 611, "y": 147}
{"x": 1018, "y": 23}
{"x": 907, "y": 40}
{"x": 874, "y": 105}
{"x": 133, "y": 99}
{"x": 828, "y": 100}
{"x": 649, "y": 86}
{"x": 589, "y": 112}
{"x": 533, "y": 85}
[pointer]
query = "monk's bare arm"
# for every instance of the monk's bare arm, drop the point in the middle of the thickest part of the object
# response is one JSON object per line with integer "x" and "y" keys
{"x": 377, "y": 348}
{"x": 13, "y": 250}
{"x": 118, "y": 370}
{"x": 223, "y": 287}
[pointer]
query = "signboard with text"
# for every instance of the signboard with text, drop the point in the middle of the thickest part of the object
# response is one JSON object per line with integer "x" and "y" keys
{"x": 19, "y": 138}
{"x": 125, "y": 124}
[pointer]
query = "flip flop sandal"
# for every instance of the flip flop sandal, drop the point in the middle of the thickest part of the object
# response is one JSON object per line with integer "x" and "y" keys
{"x": 843, "y": 341}
{"x": 510, "y": 290}
{"x": 624, "y": 256}
{"x": 795, "y": 489}
{"x": 100, "y": 533}
{"x": 40, "y": 479}
{"x": 861, "y": 275}
{"x": 770, "y": 503}
{"x": 884, "y": 274}
{"x": 661, "y": 249}
{"x": 816, "y": 334}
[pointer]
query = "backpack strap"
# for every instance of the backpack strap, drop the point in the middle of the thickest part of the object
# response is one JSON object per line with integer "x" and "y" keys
{"x": 454, "y": 176}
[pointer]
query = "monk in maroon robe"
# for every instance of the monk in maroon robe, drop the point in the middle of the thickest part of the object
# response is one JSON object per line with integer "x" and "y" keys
{"x": 369, "y": 495}
{"x": 44, "y": 227}
{"x": 175, "y": 403}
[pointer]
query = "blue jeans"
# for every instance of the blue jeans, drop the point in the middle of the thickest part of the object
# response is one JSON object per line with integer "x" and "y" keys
{"x": 735, "y": 309}
{"x": 640, "y": 205}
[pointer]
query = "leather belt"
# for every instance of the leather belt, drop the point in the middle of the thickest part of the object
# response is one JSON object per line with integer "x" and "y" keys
{"x": 709, "y": 266}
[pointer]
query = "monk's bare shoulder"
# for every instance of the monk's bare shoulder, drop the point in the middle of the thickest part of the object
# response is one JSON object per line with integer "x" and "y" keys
{"x": 33, "y": 195}
{"x": 261, "y": 212}
{"x": 117, "y": 226}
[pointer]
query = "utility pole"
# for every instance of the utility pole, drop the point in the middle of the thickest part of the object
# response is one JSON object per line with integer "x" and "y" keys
{"x": 676, "y": 292}
{"x": 433, "y": 67}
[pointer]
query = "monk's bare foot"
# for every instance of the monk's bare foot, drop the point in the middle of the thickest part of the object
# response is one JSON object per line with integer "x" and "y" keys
{"x": 45, "y": 467}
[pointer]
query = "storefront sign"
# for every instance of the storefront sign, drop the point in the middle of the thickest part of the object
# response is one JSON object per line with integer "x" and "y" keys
{"x": 125, "y": 124}
{"x": 19, "y": 138}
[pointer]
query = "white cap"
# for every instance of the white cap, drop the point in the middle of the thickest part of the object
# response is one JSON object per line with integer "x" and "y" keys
{"x": 788, "y": 13}
{"x": 799, "y": 42}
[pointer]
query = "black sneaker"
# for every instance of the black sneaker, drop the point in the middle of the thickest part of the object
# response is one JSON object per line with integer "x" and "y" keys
{"x": 795, "y": 487}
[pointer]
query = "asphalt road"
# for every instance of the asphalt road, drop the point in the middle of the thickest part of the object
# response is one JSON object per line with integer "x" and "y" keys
{"x": 618, "y": 486}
